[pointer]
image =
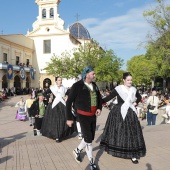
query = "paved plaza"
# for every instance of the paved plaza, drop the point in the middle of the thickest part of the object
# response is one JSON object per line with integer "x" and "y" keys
{"x": 20, "y": 150}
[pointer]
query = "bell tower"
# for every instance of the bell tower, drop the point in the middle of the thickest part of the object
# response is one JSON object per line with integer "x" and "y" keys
{"x": 48, "y": 17}
{"x": 48, "y": 9}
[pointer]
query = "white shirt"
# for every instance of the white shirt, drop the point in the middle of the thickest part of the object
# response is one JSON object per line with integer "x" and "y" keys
{"x": 89, "y": 85}
{"x": 154, "y": 101}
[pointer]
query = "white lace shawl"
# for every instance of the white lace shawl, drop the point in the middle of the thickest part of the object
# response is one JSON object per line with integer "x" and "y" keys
{"x": 59, "y": 93}
{"x": 129, "y": 96}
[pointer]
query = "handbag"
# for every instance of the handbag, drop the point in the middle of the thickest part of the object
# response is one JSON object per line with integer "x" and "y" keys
{"x": 150, "y": 106}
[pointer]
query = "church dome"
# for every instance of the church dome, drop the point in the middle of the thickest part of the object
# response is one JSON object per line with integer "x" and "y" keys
{"x": 78, "y": 31}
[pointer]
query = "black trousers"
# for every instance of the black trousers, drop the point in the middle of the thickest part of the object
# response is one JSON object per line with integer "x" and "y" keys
{"x": 29, "y": 112}
{"x": 88, "y": 127}
{"x": 38, "y": 123}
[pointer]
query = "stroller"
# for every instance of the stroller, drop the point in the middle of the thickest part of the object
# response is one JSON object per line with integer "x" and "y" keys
{"x": 21, "y": 114}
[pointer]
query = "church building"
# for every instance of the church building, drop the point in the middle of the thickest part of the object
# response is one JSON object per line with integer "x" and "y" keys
{"x": 24, "y": 57}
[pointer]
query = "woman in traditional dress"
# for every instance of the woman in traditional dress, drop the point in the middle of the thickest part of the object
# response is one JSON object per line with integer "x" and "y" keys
{"x": 122, "y": 136}
{"x": 54, "y": 123}
{"x": 21, "y": 113}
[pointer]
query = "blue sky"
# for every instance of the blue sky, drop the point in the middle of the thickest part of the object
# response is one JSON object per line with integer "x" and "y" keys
{"x": 116, "y": 24}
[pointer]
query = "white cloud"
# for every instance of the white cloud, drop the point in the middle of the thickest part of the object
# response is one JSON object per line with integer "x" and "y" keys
{"x": 121, "y": 32}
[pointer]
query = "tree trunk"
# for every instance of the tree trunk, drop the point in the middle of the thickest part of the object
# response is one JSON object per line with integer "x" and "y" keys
{"x": 152, "y": 83}
{"x": 164, "y": 85}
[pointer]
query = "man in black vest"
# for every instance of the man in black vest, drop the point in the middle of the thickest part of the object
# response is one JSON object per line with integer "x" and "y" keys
{"x": 88, "y": 104}
{"x": 37, "y": 110}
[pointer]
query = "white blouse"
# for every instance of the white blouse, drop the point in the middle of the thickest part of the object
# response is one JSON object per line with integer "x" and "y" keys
{"x": 154, "y": 101}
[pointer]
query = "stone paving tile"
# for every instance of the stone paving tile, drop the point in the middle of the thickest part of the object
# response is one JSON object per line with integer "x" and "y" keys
{"x": 20, "y": 150}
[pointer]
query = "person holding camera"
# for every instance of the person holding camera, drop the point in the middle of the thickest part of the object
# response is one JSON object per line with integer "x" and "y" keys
{"x": 152, "y": 106}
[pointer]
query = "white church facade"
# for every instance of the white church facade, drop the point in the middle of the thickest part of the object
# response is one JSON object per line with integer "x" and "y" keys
{"x": 24, "y": 57}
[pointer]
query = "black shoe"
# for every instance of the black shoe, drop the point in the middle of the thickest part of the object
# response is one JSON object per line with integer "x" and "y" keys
{"x": 135, "y": 161}
{"x": 76, "y": 153}
{"x": 30, "y": 124}
{"x": 93, "y": 165}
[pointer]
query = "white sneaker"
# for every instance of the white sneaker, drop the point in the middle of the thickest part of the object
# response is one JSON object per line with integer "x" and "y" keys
{"x": 165, "y": 116}
{"x": 168, "y": 122}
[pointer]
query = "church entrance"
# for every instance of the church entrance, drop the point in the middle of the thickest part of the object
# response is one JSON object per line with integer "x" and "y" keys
{"x": 17, "y": 85}
{"x": 28, "y": 81}
{"x": 46, "y": 83}
{"x": 17, "y": 82}
{"x": 4, "y": 82}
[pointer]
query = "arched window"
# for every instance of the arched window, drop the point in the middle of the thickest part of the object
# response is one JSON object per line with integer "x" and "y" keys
{"x": 4, "y": 82}
{"x": 44, "y": 13}
{"x": 51, "y": 13}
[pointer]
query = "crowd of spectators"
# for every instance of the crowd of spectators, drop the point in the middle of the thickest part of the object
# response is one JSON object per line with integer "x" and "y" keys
{"x": 5, "y": 93}
{"x": 164, "y": 103}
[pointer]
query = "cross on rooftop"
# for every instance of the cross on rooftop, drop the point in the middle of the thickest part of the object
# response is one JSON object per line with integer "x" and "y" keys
{"x": 77, "y": 17}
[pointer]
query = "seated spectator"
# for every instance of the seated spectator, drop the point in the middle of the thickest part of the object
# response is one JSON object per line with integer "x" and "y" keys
{"x": 167, "y": 113}
{"x": 3, "y": 95}
{"x": 163, "y": 101}
{"x": 1, "y": 99}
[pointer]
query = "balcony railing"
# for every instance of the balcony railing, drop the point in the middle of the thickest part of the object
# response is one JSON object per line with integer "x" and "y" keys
{"x": 3, "y": 66}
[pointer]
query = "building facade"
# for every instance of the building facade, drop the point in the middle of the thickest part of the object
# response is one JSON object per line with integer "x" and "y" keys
{"x": 29, "y": 54}
{"x": 14, "y": 50}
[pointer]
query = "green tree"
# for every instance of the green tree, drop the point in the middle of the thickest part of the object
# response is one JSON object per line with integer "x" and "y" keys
{"x": 108, "y": 66}
{"x": 159, "y": 18}
{"x": 119, "y": 78}
{"x": 159, "y": 52}
{"x": 62, "y": 65}
{"x": 158, "y": 47}
{"x": 105, "y": 63}
{"x": 142, "y": 69}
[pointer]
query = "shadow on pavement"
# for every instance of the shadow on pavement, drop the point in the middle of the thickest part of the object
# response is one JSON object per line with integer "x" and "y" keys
{"x": 149, "y": 166}
{"x": 4, "y": 159}
{"x": 98, "y": 139}
{"x": 163, "y": 122}
{"x": 7, "y": 102}
{"x": 6, "y": 141}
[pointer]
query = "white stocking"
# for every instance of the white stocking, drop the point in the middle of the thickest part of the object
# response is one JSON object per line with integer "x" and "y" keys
{"x": 82, "y": 144}
{"x": 30, "y": 119}
{"x": 38, "y": 133}
{"x": 78, "y": 127}
{"x": 33, "y": 120}
{"x": 89, "y": 151}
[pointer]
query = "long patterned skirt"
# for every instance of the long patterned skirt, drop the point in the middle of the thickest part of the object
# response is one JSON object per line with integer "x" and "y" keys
{"x": 54, "y": 122}
{"x": 123, "y": 138}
